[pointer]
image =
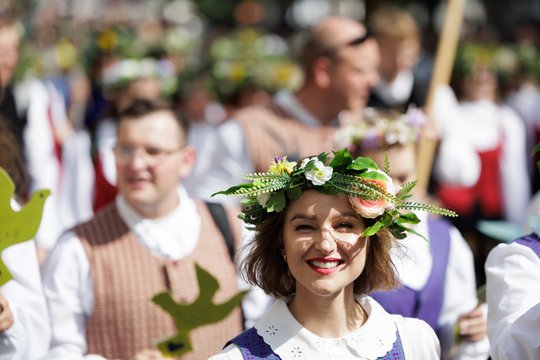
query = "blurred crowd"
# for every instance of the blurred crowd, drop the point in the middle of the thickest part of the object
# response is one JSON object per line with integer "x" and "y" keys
{"x": 245, "y": 95}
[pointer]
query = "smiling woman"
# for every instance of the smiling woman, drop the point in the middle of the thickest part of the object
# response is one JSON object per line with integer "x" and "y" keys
{"x": 324, "y": 228}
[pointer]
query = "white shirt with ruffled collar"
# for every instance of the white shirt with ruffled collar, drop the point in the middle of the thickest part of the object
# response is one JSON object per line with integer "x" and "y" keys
{"x": 290, "y": 340}
{"x": 173, "y": 236}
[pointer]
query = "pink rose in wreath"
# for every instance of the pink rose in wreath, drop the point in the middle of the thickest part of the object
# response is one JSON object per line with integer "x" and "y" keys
{"x": 372, "y": 208}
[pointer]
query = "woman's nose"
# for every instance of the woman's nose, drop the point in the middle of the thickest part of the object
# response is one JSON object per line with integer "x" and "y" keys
{"x": 325, "y": 243}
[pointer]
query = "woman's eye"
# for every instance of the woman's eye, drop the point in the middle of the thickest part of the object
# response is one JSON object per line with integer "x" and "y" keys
{"x": 345, "y": 225}
{"x": 303, "y": 227}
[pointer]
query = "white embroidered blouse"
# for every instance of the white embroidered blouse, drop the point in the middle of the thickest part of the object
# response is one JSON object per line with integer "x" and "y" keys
{"x": 290, "y": 340}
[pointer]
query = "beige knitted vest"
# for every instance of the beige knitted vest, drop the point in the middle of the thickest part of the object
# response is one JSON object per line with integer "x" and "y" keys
{"x": 126, "y": 276}
{"x": 270, "y": 132}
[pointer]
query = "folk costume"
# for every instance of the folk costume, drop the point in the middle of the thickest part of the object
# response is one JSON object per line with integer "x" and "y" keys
{"x": 513, "y": 297}
{"x": 481, "y": 167}
{"x": 437, "y": 284}
{"x": 100, "y": 278}
{"x": 28, "y": 338}
{"x": 278, "y": 335}
{"x": 370, "y": 191}
{"x": 249, "y": 141}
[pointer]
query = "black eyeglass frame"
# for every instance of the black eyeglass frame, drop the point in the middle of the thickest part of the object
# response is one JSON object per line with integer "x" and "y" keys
{"x": 331, "y": 53}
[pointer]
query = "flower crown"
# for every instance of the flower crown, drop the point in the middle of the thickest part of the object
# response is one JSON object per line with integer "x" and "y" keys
{"x": 371, "y": 191}
{"x": 123, "y": 72}
{"x": 380, "y": 129}
{"x": 248, "y": 58}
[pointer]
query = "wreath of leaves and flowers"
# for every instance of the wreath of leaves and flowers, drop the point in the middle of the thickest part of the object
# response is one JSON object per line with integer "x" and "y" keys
{"x": 371, "y": 191}
{"x": 251, "y": 59}
{"x": 381, "y": 128}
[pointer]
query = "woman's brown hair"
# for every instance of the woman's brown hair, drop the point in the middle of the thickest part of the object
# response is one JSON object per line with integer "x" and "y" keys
{"x": 265, "y": 266}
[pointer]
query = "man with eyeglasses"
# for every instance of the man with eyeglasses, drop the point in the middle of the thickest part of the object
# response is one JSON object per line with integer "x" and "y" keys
{"x": 100, "y": 277}
{"x": 340, "y": 61}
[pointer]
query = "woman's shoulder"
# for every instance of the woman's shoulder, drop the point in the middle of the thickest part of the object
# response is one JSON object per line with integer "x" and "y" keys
{"x": 418, "y": 338}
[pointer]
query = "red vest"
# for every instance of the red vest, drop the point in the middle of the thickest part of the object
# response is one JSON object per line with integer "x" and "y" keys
{"x": 487, "y": 192}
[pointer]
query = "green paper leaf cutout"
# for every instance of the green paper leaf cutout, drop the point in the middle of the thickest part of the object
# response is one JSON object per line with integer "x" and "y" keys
{"x": 202, "y": 311}
{"x": 17, "y": 226}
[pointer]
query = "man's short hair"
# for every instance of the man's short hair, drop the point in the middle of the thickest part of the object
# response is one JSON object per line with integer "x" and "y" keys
{"x": 141, "y": 107}
{"x": 393, "y": 23}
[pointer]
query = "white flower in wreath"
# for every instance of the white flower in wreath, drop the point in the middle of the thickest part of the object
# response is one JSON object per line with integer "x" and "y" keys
{"x": 321, "y": 174}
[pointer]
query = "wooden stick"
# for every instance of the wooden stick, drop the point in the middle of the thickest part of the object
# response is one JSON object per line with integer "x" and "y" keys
{"x": 442, "y": 71}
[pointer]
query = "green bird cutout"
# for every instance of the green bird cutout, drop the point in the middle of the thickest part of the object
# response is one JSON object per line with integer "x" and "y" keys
{"x": 17, "y": 226}
{"x": 201, "y": 312}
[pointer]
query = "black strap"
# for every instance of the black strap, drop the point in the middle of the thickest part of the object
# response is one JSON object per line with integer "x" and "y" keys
{"x": 220, "y": 218}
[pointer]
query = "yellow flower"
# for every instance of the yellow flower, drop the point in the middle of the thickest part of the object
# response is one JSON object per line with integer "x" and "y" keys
{"x": 108, "y": 40}
{"x": 280, "y": 165}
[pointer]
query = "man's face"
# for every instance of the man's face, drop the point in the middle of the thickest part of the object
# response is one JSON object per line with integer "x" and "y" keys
{"x": 9, "y": 53}
{"x": 151, "y": 159}
{"x": 397, "y": 56}
{"x": 354, "y": 72}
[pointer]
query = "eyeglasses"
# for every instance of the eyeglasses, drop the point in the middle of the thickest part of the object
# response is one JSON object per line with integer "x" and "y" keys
{"x": 354, "y": 42}
{"x": 361, "y": 39}
{"x": 151, "y": 155}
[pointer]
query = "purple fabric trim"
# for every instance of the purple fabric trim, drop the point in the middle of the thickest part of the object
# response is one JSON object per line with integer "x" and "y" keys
{"x": 425, "y": 304}
{"x": 432, "y": 295}
{"x": 531, "y": 241}
{"x": 402, "y": 300}
{"x": 396, "y": 353}
{"x": 253, "y": 347}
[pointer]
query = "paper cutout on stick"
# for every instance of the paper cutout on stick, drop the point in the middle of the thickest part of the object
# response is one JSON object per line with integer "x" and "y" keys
{"x": 202, "y": 311}
{"x": 17, "y": 226}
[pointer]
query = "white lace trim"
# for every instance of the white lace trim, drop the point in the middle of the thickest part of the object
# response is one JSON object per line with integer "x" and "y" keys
{"x": 290, "y": 340}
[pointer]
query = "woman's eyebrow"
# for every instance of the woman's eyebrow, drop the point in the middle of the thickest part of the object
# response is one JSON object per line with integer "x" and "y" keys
{"x": 302, "y": 217}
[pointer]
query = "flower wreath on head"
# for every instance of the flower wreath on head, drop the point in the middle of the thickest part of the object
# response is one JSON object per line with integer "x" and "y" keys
{"x": 381, "y": 128}
{"x": 371, "y": 192}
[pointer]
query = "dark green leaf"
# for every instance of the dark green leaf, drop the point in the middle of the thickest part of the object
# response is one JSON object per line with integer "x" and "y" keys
{"x": 409, "y": 218}
{"x": 403, "y": 193}
{"x": 362, "y": 164}
{"x": 276, "y": 202}
{"x": 397, "y": 233}
{"x": 294, "y": 193}
{"x": 322, "y": 157}
{"x": 536, "y": 149}
{"x": 373, "y": 229}
{"x": 342, "y": 159}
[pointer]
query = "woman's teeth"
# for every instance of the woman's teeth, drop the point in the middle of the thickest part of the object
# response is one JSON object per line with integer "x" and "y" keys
{"x": 324, "y": 264}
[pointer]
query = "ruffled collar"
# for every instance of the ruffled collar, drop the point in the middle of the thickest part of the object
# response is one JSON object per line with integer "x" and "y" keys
{"x": 290, "y": 340}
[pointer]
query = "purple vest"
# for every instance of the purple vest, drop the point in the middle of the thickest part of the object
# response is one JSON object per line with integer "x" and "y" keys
{"x": 253, "y": 347}
{"x": 531, "y": 241}
{"x": 425, "y": 304}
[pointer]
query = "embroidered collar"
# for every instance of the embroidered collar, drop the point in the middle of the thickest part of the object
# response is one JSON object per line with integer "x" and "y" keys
{"x": 290, "y": 340}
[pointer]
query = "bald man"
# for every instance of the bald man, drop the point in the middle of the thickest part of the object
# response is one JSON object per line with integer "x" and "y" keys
{"x": 340, "y": 62}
